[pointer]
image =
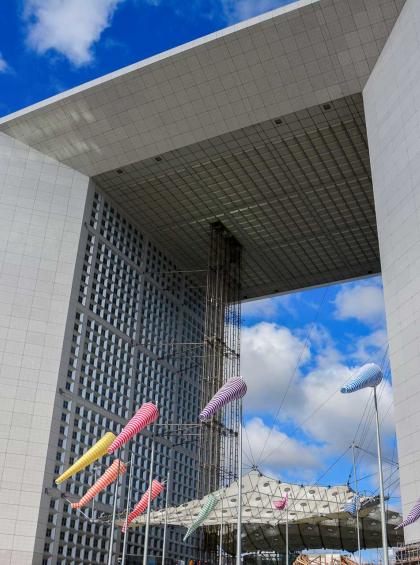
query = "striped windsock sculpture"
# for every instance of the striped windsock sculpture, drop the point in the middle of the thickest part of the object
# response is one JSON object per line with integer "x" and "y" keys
{"x": 233, "y": 389}
{"x": 110, "y": 475}
{"x": 208, "y": 507}
{"x": 141, "y": 506}
{"x": 281, "y": 504}
{"x": 412, "y": 517}
{"x": 145, "y": 415}
{"x": 370, "y": 375}
{"x": 95, "y": 452}
{"x": 353, "y": 505}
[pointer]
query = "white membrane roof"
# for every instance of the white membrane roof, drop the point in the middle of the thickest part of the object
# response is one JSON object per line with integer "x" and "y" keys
{"x": 316, "y": 516}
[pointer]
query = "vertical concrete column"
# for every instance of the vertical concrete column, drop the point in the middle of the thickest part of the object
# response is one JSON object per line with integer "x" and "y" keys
{"x": 392, "y": 106}
{"x": 41, "y": 209}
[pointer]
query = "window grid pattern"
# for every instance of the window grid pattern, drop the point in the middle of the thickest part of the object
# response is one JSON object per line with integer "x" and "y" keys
{"x": 115, "y": 290}
{"x": 133, "y": 310}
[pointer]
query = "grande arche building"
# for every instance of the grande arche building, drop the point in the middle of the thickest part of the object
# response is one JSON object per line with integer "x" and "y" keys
{"x": 298, "y": 130}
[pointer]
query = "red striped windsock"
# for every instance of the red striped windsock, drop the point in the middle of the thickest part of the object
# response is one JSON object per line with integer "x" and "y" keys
{"x": 110, "y": 475}
{"x": 145, "y": 415}
{"x": 141, "y": 506}
{"x": 233, "y": 389}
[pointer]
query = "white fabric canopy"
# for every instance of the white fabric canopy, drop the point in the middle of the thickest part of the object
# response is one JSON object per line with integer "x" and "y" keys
{"x": 258, "y": 493}
{"x": 316, "y": 515}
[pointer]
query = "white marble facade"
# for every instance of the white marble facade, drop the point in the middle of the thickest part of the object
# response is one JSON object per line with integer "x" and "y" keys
{"x": 41, "y": 209}
{"x": 42, "y": 205}
{"x": 392, "y": 106}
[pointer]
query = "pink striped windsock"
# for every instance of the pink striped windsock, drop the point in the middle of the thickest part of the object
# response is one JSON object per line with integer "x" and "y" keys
{"x": 233, "y": 389}
{"x": 145, "y": 415}
{"x": 110, "y": 475}
{"x": 281, "y": 504}
{"x": 141, "y": 506}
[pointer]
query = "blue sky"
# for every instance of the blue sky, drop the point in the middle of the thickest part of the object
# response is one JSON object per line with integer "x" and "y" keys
{"x": 297, "y": 349}
{"x": 47, "y": 46}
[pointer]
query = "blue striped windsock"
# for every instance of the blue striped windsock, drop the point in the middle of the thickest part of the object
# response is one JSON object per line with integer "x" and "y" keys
{"x": 353, "y": 505}
{"x": 368, "y": 375}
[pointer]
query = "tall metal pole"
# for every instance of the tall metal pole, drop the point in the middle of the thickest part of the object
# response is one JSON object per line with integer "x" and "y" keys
{"x": 130, "y": 486}
{"x": 357, "y": 504}
{"x": 93, "y": 501}
{"x": 239, "y": 523}
{"x": 381, "y": 483}
{"x": 165, "y": 526}
{"x": 146, "y": 533}
{"x": 114, "y": 511}
{"x": 221, "y": 538}
{"x": 287, "y": 535}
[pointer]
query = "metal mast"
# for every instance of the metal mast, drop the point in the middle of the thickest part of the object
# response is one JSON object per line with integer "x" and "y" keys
{"x": 218, "y": 449}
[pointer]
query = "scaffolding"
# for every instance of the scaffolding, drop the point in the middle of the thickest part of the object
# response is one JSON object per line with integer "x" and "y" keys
{"x": 324, "y": 559}
{"x": 218, "y": 356}
{"x": 271, "y": 558}
{"x": 218, "y": 445}
{"x": 407, "y": 554}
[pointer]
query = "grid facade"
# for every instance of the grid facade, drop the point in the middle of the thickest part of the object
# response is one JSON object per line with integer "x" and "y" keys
{"x": 131, "y": 313}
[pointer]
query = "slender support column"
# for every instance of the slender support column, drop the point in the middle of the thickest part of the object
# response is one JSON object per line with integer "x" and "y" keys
{"x": 287, "y": 535}
{"x": 130, "y": 487}
{"x": 146, "y": 533}
{"x": 217, "y": 452}
{"x": 381, "y": 483}
{"x": 221, "y": 538}
{"x": 239, "y": 523}
{"x": 165, "y": 527}
{"x": 93, "y": 501}
{"x": 114, "y": 511}
{"x": 356, "y": 489}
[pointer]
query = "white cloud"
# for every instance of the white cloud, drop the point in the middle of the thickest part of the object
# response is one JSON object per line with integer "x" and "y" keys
{"x": 4, "y": 67}
{"x": 361, "y": 301}
{"x": 69, "y": 27}
{"x": 337, "y": 415}
{"x": 314, "y": 406}
{"x": 284, "y": 453}
{"x": 238, "y": 10}
{"x": 268, "y": 308}
{"x": 371, "y": 348}
{"x": 269, "y": 357}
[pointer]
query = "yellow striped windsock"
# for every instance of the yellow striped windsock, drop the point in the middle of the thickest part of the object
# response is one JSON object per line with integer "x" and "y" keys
{"x": 95, "y": 452}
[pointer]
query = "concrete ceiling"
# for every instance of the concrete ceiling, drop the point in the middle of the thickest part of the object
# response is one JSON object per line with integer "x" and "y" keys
{"x": 306, "y": 53}
{"x": 297, "y": 195}
{"x": 259, "y": 126}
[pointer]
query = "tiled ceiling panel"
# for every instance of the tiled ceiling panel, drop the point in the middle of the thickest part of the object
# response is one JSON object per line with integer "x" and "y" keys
{"x": 296, "y": 193}
{"x": 305, "y": 53}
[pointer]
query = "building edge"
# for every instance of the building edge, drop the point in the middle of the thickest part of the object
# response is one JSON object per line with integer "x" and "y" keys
{"x": 392, "y": 107}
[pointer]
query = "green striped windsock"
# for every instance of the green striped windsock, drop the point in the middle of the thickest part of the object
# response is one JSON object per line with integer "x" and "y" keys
{"x": 204, "y": 512}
